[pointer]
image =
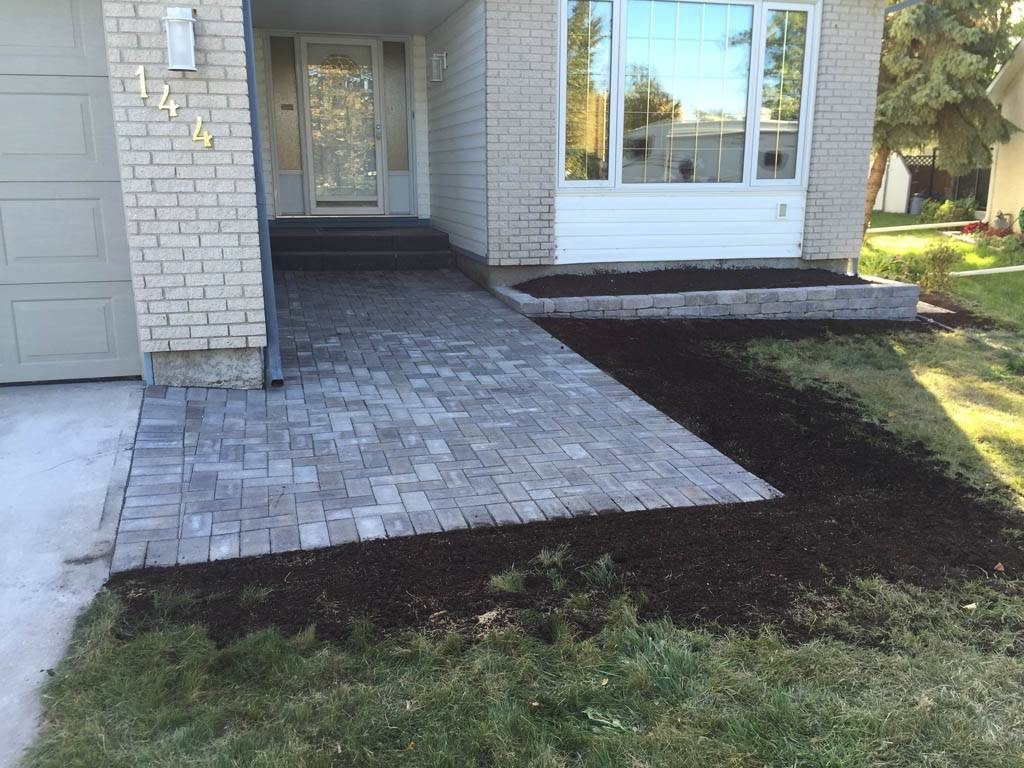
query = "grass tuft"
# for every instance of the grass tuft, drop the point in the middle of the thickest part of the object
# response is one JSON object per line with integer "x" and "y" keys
{"x": 552, "y": 558}
{"x": 510, "y": 581}
{"x": 601, "y": 572}
{"x": 253, "y": 595}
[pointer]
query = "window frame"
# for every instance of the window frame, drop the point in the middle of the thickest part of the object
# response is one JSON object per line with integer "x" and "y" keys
{"x": 806, "y": 95}
{"x": 563, "y": 76}
{"x": 755, "y": 90}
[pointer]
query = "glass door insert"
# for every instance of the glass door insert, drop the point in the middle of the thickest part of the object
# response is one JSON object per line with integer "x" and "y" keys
{"x": 345, "y": 133}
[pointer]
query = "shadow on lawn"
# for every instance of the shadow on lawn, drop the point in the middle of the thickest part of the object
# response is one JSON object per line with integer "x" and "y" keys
{"x": 859, "y": 502}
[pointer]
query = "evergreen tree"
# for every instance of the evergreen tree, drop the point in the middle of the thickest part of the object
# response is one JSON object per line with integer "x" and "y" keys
{"x": 938, "y": 59}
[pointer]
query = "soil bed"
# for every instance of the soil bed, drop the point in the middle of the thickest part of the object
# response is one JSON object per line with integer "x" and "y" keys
{"x": 679, "y": 281}
{"x": 961, "y": 317}
{"x": 859, "y": 502}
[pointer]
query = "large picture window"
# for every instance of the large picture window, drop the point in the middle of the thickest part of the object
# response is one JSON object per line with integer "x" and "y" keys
{"x": 665, "y": 91}
{"x": 686, "y": 87}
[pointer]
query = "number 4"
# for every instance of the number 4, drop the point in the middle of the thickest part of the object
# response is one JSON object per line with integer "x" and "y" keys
{"x": 169, "y": 104}
{"x": 200, "y": 135}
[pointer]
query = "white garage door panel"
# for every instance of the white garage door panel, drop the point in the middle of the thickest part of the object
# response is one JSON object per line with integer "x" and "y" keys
{"x": 66, "y": 304}
{"x": 56, "y": 129}
{"x": 42, "y": 37}
{"x": 69, "y": 330}
{"x": 58, "y": 233}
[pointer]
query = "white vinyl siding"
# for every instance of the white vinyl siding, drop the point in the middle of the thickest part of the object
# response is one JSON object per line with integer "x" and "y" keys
{"x": 596, "y": 227}
{"x": 458, "y": 154}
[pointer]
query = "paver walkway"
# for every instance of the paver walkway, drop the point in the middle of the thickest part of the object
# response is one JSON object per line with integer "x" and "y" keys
{"x": 414, "y": 402}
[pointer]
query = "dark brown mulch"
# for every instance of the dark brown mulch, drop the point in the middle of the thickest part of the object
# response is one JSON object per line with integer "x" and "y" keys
{"x": 859, "y": 502}
{"x": 679, "y": 281}
{"x": 961, "y": 317}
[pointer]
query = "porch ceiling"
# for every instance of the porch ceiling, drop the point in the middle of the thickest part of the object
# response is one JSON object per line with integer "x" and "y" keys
{"x": 356, "y": 17}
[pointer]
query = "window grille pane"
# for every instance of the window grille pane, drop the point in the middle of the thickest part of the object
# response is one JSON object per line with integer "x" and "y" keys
{"x": 782, "y": 94}
{"x": 588, "y": 80}
{"x": 685, "y": 99}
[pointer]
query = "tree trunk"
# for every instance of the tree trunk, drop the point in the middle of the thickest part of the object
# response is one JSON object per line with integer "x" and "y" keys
{"x": 875, "y": 182}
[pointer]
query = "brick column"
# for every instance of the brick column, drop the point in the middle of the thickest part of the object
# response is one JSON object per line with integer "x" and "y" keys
{"x": 844, "y": 119}
{"x": 522, "y": 130}
{"x": 191, "y": 211}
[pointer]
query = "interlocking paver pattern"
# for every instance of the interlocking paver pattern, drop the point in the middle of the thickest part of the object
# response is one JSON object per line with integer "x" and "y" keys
{"x": 414, "y": 402}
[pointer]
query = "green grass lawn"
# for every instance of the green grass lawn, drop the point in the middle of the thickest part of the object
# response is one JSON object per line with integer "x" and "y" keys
{"x": 877, "y": 248}
{"x": 874, "y": 673}
{"x": 977, "y": 379}
{"x": 883, "y": 219}
{"x": 934, "y": 686}
{"x": 1000, "y": 296}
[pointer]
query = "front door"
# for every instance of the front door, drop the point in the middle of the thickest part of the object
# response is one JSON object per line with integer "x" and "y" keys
{"x": 344, "y": 131}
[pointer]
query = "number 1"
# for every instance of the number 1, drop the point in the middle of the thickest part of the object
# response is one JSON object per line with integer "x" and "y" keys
{"x": 141, "y": 73}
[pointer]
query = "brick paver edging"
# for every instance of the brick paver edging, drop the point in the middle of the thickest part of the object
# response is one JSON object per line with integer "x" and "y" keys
{"x": 881, "y": 300}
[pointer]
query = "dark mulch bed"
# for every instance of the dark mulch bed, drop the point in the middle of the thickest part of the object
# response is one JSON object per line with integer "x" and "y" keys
{"x": 679, "y": 281}
{"x": 859, "y": 501}
{"x": 961, "y": 317}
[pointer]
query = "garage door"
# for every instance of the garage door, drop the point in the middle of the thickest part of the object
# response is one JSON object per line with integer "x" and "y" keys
{"x": 66, "y": 309}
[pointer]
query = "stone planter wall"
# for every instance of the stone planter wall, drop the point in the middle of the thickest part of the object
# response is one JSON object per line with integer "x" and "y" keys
{"x": 881, "y": 300}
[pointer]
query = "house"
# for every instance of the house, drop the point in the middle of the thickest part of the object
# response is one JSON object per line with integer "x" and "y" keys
{"x": 536, "y": 135}
{"x": 1006, "y": 189}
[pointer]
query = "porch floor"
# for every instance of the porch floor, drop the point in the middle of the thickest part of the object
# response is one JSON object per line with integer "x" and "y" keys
{"x": 414, "y": 402}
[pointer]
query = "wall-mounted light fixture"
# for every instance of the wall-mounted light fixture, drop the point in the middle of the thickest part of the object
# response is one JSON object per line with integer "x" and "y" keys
{"x": 181, "y": 39}
{"x": 438, "y": 64}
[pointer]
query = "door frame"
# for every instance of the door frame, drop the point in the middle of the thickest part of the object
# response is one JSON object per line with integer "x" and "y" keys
{"x": 380, "y": 138}
{"x": 412, "y": 118}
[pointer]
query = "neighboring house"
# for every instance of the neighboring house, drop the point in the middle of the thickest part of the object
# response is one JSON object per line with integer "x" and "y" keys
{"x": 540, "y": 135}
{"x": 1006, "y": 189}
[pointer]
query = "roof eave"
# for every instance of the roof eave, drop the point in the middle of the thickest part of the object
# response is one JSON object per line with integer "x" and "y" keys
{"x": 1007, "y": 74}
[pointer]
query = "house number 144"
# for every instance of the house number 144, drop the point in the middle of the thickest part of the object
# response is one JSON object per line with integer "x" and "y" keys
{"x": 170, "y": 106}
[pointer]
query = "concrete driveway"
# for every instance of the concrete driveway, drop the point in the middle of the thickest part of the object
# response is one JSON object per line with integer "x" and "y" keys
{"x": 64, "y": 455}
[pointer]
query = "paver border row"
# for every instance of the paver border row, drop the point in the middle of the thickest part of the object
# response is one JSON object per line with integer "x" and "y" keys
{"x": 881, "y": 299}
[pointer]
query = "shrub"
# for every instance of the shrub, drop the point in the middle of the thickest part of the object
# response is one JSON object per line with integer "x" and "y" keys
{"x": 935, "y": 212}
{"x": 939, "y": 260}
{"x": 975, "y": 228}
{"x": 929, "y": 269}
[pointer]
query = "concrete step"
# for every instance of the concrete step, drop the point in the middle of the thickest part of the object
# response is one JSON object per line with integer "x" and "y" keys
{"x": 319, "y": 248}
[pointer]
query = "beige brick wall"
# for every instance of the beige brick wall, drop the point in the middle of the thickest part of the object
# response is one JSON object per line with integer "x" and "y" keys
{"x": 851, "y": 41}
{"x": 522, "y": 130}
{"x": 191, "y": 212}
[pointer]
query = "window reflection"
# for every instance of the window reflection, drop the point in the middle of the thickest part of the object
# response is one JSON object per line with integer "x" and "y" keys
{"x": 588, "y": 81}
{"x": 685, "y": 100}
{"x": 782, "y": 93}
